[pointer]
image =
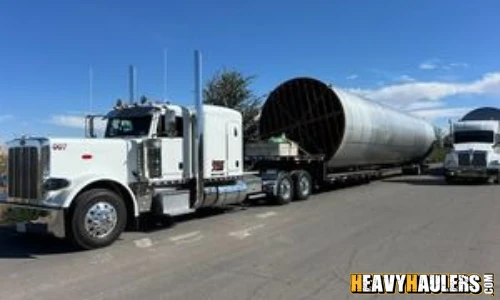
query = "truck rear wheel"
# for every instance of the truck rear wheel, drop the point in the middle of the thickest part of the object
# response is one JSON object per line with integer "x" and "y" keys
{"x": 284, "y": 189}
{"x": 302, "y": 185}
{"x": 98, "y": 219}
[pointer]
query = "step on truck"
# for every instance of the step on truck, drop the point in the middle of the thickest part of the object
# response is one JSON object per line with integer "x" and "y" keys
{"x": 163, "y": 159}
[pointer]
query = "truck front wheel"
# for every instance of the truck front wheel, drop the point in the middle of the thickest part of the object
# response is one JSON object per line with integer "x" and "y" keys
{"x": 98, "y": 219}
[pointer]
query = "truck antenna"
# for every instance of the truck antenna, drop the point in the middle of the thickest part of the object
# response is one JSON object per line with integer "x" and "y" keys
{"x": 165, "y": 60}
{"x": 91, "y": 88}
{"x": 132, "y": 83}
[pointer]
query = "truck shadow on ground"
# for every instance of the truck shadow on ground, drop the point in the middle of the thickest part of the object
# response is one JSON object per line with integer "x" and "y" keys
{"x": 15, "y": 245}
{"x": 28, "y": 246}
{"x": 434, "y": 180}
{"x": 151, "y": 224}
{"x": 435, "y": 176}
{"x": 417, "y": 181}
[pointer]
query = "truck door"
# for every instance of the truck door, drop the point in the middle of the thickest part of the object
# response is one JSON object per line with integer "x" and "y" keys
{"x": 172, "y": 149}
{"x": 234, "y": 148}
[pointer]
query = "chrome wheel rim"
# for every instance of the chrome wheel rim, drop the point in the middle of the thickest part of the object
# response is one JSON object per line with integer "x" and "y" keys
{"x": 304, "y": 185}
{"x": 285, "y": 189}
{"x": 101, "y": 220}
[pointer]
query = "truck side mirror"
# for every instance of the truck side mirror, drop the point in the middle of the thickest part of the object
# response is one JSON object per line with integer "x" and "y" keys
{"x": 89, "y": 127}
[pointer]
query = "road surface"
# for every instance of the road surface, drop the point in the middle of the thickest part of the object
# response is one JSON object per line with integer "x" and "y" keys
{"x": 301, "y": 251}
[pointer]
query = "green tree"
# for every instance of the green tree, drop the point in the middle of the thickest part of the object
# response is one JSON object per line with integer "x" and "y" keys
{"x": 3, "y": 162}
{"x": 230, "y": 88}
{"x": 439, "y": 152}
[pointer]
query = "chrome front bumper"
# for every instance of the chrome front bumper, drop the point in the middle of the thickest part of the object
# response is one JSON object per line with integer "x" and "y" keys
{"x": 28, "y": 218}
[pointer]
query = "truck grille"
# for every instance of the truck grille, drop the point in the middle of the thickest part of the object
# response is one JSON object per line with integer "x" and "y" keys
{"x": 464, "y": 159}
{"x": 477, "y": 159}
{"x": 25, "y": 171}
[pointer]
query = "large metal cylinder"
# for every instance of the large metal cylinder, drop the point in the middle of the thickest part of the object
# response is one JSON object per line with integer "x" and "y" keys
{"x": 347, "y": 129}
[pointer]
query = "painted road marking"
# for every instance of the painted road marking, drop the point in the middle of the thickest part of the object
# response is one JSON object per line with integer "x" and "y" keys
{"x": 266, "y": 215}
{"x": 143, "y": 243}
{"x": 244, "y": 233}
{"x": 101, "y": 258}
{"x": 190, "y": 237}
{"x": 184, "y": 236}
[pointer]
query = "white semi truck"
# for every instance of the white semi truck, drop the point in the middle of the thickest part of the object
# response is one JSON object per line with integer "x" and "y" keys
{"x": 165, "y": 159}
{"x": 475, "y": 150}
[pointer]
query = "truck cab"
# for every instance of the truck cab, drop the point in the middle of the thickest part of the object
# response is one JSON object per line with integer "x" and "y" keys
{"x": 474, "y": 152}
{"x": 153, "y": 158}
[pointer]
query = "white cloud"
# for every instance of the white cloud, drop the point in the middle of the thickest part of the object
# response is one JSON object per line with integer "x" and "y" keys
{"x": 458, "y": 65}
{"x": 407, "y": 93}
{"x": 447, "y": 112}
{"x": 6, "y": 117}
{"x": 424, "y": 105}
{"x": 427, "y": 66}
{"x": 405, "y": 78}
{"x": 352, "y": 76}
{"x": 77, "y": 122}
{"x": 434, "y": 64}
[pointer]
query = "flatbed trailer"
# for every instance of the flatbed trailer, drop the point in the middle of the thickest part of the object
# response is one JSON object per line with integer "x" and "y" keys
{"x": 284, "y": 178}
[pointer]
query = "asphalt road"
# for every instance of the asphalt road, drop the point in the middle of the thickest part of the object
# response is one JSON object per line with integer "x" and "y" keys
{"x": 301, "y": 251}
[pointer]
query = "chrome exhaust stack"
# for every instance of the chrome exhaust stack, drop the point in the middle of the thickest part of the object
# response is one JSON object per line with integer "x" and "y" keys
{"x": 198, "y": 133}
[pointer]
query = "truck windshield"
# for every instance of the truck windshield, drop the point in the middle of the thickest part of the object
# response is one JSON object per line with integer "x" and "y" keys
{"x": 133, "y": 126}
{"x": 474, "y": 136}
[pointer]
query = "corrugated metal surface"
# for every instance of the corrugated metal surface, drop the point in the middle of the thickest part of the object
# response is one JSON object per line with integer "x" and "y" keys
{"x": 348, "y": 129}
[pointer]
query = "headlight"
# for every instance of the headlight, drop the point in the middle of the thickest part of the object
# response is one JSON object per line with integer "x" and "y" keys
{"x": 495, "y": 163}
{"x": 451, "y": 160}
{"x": 450, "y": 163}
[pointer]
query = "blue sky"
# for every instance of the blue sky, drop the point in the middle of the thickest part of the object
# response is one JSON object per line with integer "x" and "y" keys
{"x": 437, "y": 59}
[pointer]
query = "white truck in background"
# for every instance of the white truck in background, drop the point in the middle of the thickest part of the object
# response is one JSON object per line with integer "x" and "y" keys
{"x": 474, "y": 151}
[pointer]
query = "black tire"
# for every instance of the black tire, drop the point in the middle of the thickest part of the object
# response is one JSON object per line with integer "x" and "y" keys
{"x": 303, "y": 184}
{"x": 284, "y": 189}
{"x": 100, "y": 201}
{"x": 448, "y": 179}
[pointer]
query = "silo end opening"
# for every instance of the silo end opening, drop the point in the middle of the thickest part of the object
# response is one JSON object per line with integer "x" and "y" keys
{"x": 308, "y": 112}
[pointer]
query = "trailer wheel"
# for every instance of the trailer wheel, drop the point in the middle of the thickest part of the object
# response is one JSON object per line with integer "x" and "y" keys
{"x": 284, "y": 189}
{"x": 98, "y": 219}
{"x": 303, "y": 185}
